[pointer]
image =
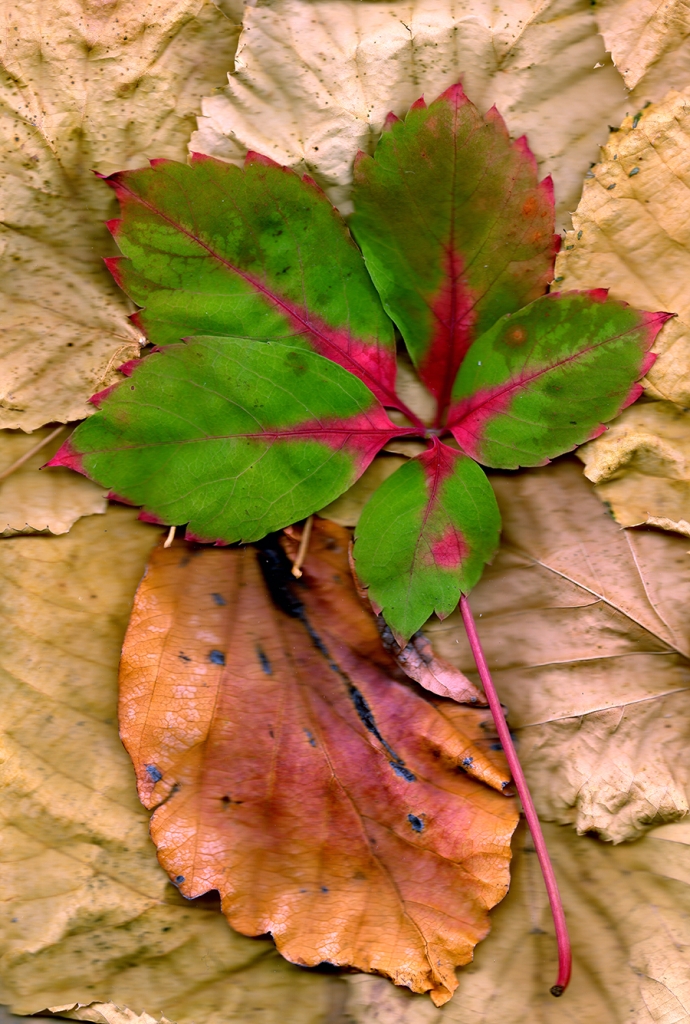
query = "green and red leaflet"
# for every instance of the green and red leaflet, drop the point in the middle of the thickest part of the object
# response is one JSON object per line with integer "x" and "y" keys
{"x": 276, "y": 362}
{"x": 455, "y": 227}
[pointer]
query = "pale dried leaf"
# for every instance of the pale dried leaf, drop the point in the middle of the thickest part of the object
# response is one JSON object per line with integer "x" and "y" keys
{"x": 632, "y": 234}
{"x": 628, "y": 910}
{"x": 32, "y": 500}
{"x": 643, "y": 461}
{"x": 587, "y": 631}
{"x": 84, "y": 87}
{"x": 105, "y": 1013}
{"x": 314, "y": 81}
{"x": 646, "y": 35}
{"x": 89, "y": 914}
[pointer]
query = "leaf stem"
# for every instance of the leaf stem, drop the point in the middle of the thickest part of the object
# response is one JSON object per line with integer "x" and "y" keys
{"x": 562, "y": 938}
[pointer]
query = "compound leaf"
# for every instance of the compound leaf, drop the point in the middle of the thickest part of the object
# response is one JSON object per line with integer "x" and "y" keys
{"x": 236, "y": 438}
{"x": 258, "y": 252}
{"x": 455, "y": 227}
{"x": 424, "y": 536}
{"x": 546, "y": 378}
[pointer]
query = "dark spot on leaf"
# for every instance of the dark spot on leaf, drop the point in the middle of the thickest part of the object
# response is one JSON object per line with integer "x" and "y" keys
{"x": 467, "y": 761}
{"x": 154, "y": 773}
{"x": 179, "y": 879}
{"x": 265, "y": 663}
{"x": 225, "y": 800}
{"x": 515, "y": 336}
{"x": 635, "y": 170}
{"x": 295, "y": 361}
{"x": 400, "y": 769}
{"x": 324, "y": 888}
{"x": 609, "y": 187}
{"x": 416, "y": 823}
{"x": 219, "y": 599}
{"x": 312, "y": 741}
{"x": 579, "y": 235}
{"x": 217, "y": 657}
{"x": 495, "y": 746}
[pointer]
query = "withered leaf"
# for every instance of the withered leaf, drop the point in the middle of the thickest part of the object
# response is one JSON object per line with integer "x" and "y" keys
{"x": 32, "y": 501}
{"x": 295, "y": 771}
{"x": 587, "y": 631}
{"x": 630, "y": 234}
{"x": 628, "y": 909}
{"x": 313, "y": 83}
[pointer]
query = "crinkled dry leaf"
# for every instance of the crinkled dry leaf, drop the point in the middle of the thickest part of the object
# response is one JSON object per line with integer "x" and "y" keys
{"x": 84, "y": 86}
{"x": 336, "y": 807}
{"x": 644, "y": 462}
{"x": 88, "y": 913}
{"x": 314, "y": 81}
{"x": 32, "y": 501}
{"x": 628, "y": 911}
{"x": 105, "y": 1013}
{"x": 587, "y": 630}
{"x": 648, "y": 36}
{"x": 632, "y": 234}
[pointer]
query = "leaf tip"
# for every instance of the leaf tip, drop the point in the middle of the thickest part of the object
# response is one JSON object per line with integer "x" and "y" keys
{"x": 521, "y": 147}
{"x": 454, "y": 94}
{"x": 148, "y": 517}
{"x": 113, "y": 265}
{"x": 67, "y": 456}
{"x": 391, "y": 119}
{"x": 420, "y": 104}
{"x": 158, "y": 161}
{"x": 494, "y": 117}
{"x": 112, "y": 496}
{"x": 99, "y": 398}
{"x": 128, "y": 368}
{"x": 253, "y": 158}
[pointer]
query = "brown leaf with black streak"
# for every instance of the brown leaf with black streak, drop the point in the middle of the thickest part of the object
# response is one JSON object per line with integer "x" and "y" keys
{"x": 296, "y": 771}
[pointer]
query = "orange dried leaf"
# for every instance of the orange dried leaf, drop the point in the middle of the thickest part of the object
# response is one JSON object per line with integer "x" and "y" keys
{"x": 294, "y": 769}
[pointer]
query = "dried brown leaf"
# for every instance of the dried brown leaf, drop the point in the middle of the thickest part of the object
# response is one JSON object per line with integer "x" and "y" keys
{"x": 84, "y": 87}
{"x": 647, "y": 37}
{"x": 32, "y": 501}
{"x": 628, "y": 910}
{"x": 587, "y": 630}
{"x": 632, "y": 234}
{"x": 314, "y": 81}
{"x": 88, "y": 913}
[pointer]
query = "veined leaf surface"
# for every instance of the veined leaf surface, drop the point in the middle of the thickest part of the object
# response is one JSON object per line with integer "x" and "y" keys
{"x": 254, "y": 252}
{"x": 455, "y": 227}
{"x": 424, "y": 536}
{"x": 330, "y": 803}
{"x": 547, "y": 378}
{"x": 236, "y": 438}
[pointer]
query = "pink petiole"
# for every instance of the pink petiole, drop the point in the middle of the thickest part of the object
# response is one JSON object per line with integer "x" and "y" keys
{"x": 562, "y": 937}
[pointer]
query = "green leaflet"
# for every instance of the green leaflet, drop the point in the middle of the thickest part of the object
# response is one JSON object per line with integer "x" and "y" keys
{"x": 253, "y": 252}
{"x": 424, "y": 537}
{"x": 455, "y": 228}
{"x": 543, "y": 380}
{"x": 236, "y": 438}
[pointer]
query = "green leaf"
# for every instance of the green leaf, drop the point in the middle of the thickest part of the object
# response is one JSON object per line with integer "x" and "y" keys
{"x": 213, "y": 249}
{"x": 424, "y": 536}
{"x": 455, "y": 228}
{"x": 546, "y": 378}
{"x": 236, "y": 438}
